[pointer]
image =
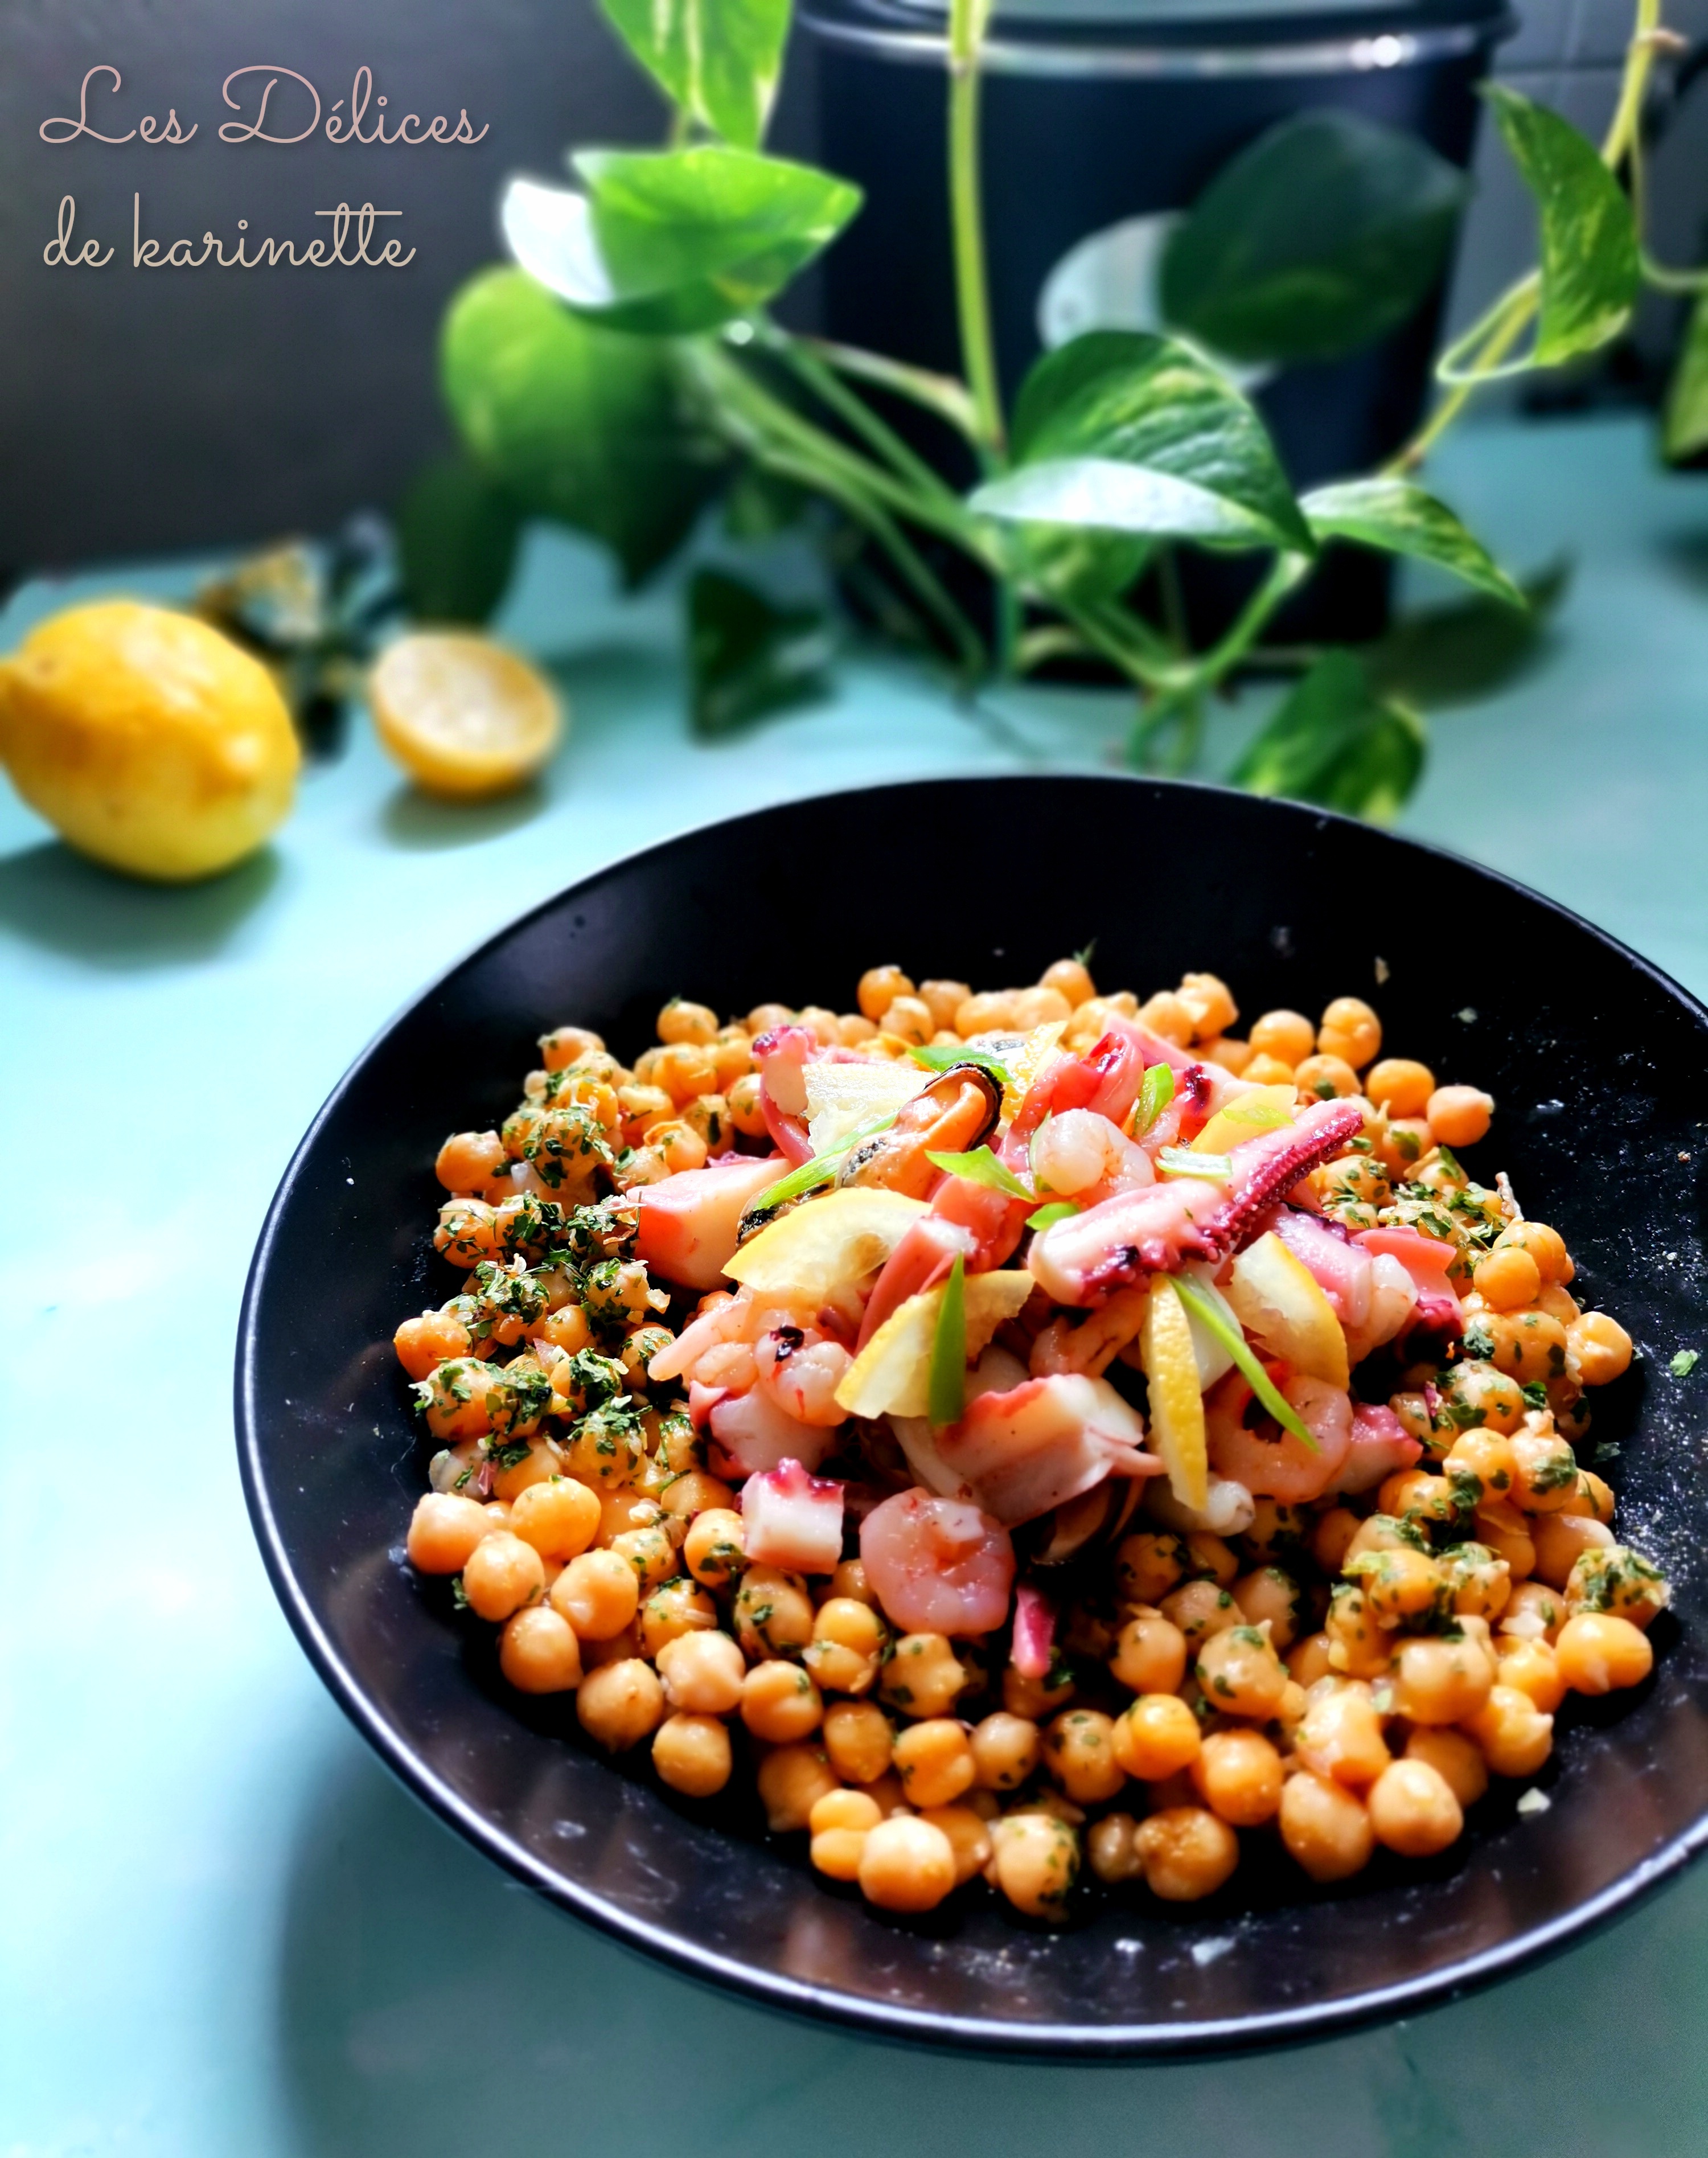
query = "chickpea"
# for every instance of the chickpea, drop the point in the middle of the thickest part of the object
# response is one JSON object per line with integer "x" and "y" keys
{"x": 1600, "y": 1347}
{"x": 1400, "y": 1086}
{"x": 1037, "y": 1699}
{"x": 1187, "y": 1853}
{"x": 679, "y": 1607}
{"x": 879, "y": 988}
{"x": 684, "y": 1070}
{"x": 1413, "y": 1810}
{"x": 1454, "y": 1758}
{"x": 1399, "y": 1584}
{"x": 1040, "y": 1007}
{"x": 1200, "y": 1608}
{"x": 1332, "y": 1538}
{"x": 1150, "y": 1656}
{"x": 1594, "y": 1497}
{"x": 707, "y": 1121}
{"x": 763, "y": 1018}
{"x": 1533, "y": 1668}
{"x": 1112, "y": 1846}
{"x": 1308, "y": 1660}
{"x": 780, "y": 1704}
{"x": 558, "y": 1516}
{"x": 1147, "y": 1565}
{"x": 1155, "y": 1737}
{"x": 1534, "y": 1611}
{"x": 1169, "y": 1015}
{"x": 1241, "y": 1673}
{"x": 1403, "y": 1144}
{"x": 772, "y": 1613}
{"x": 791, "y": 1781}
{"x": 682, "y": 1021}
{"x": 1070, "y": 977}
{"x": 988, "y": 1012}
{"x": 1340, "y": 1733}
{"x": 909, "y": 1020}
{"x": 501, "y": 1574}
{"x": 1210, "y": 1001}
{"x": 423, "y": 1343}
{"x": 1507, "y": 1278}
{"x": 703, "y": 1673}
{"x": 1325, "y": 1827}
{"x": 1619, "y": 1580}
{"x": 849, "y": 1638}
{"x": 1545, "y": 1247}
{"x": 1546, "y": 1482}
{"x": 1232, "y": 1056}
{"x": 444, "y": 1530}
{"x": 1079, "y": 1752}
{"x": 621, "y": 1703}
{"x": 839, "y": 1824}
{"x": 1034, "y": 1862}
{"x": 1474, "y": 1392}
{"x": 1212, "y": 1557}
{"x": 732, "y": 1053}
{"x": 1358, "y": 1645}
{"x": 538, "y": 1653}
{"x": 1278, "y": 1530}
{"x": 465, "y": 1234}
{"x": 1562, "y": 1539}
{"x": 1486, "y": 1455}
{"x": 943, "y": 1000}
{"x": 1516, "y": 1736}
{"x": 693, "y": 1755}
{"x": 858, "y": 1740}
{"x": 935, "y": 1761}
{"x": 1353, "y": 1179}
{"x": 1459, "y": 1116}
{"x": 1005, "y": 1750}
{"x": 1288, "y": 1036}
{"x": 650, "y": 1552}
{"x": 565, "y": 1046}
{"x": 745, "y": 1112}
{"x": 906, "y": 1864}
{"x": 712, "y": 1547}
{"x": 1479, "y": 1583}
{"x": 922, "y": 1677}
{"x": 1350, "y": 1029}
{"x": 1502, "y": 1529}
{"x": 969, "y": 1836}
{"x": 1598, "y": 1653}
{"x": 1324, "y": 1078}
{"x": 1266, "y": 1071}
{"x": 598, "y": 1594}
{"x": 1238, "y": 1775}
{"x": 1442, "y": 1678}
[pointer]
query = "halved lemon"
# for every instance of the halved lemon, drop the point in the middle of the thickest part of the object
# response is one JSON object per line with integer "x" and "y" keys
{"x": 463, "y": 716}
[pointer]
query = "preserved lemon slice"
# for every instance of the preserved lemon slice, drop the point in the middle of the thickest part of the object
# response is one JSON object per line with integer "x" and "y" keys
{"x": 891, "y": 1376}
{"x": 1176, "y": 1404}
{"x": 1264, "y": 1109}
{"x": 462, "y": 716}
{"x": 825, "y": 1244}
{"x": 1277, "y": 1299}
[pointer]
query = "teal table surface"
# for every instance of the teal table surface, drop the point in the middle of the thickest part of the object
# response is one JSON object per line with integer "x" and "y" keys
{"x": 223, "y": 1927}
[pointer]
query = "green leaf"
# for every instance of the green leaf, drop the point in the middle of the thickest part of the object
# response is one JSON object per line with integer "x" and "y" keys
{"x": 758, "y": 505}
{"x": 1465, "y": 650}
{"x": 981, "y": 1166}
{"x": 719, "y": 59}
{"x": 674, "y": 241}
{"x": 1590, "y": 268}
{"x": 1397, "y": 516}
{"x": 1182, "y": 1161}
{"x": 1323, "y": 234}
{"x": 1058, "y": 1210}
{"x": 1212, "y": 1313}
{"x": 1684, "y": 1362}
{"x": 946, "y": 1059}
{"x": 1124, "y": 432}
{"x": 748, "y": 657}
{"x": 1684, "y": 422}
{"x": 574, "y": 422}
{"x": 1156, "y": 1090}
{"x": 946, "y": 1386}
{"x": 457, "y": 535}
{"x": 1335, "y": 742}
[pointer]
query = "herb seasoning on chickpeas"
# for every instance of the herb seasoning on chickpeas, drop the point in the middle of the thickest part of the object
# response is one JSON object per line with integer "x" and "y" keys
{"x": 1026, "y": 1432}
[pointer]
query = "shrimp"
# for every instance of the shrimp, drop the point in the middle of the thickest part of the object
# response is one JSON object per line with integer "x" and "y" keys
{"x": 1081, "y": 1152}
{"x": 1246, "y": 1444}
{"x": 800, "y": 1370}
{"x": 1393, "y": 1299}
{"x": 1093, "y": 1344}
{"x": 758, "y": 1435}
{"x": 937, "y": 1566}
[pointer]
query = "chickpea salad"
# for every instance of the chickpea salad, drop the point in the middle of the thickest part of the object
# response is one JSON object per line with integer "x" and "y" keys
{"x": 1036, "y": 1439}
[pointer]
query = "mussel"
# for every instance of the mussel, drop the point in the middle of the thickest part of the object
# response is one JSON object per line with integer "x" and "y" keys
{"x": 957, "y": 1112}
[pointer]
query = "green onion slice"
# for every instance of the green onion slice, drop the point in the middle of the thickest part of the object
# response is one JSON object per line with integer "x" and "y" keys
{"x": 946, "y": 1059}
{"x": 1155, "y": 1091}
{"x": 981, "y": 1166}
{"x": 1212, "y": 1315}
{"x": 1058, "y": 1210}
{"x": 947, "y": 1391}
{"x": 1181, "y": 1161}
{"x": 810, "y": 1174}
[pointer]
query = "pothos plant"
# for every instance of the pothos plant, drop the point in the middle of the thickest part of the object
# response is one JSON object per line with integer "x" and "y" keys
{"x": 630, "y": 368}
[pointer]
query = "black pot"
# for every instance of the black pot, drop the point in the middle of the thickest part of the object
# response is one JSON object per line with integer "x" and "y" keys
{"x": 1097, "y": 112}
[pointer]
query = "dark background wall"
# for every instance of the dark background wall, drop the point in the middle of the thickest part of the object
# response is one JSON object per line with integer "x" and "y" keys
{"x": 177, "y": 408}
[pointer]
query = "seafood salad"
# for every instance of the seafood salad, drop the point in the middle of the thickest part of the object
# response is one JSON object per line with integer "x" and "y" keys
{"x": 1032, "y": 1438}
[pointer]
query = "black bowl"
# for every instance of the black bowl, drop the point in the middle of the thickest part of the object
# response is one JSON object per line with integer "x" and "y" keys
{"x": 1597, "y": 1060}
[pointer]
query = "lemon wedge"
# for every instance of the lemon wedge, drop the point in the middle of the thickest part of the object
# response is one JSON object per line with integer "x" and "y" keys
{"x": 1264, "y": 1109}
{"x": 1276, "y": 1298}
{"x": 463, "y": 716}
{"x": 1176, "y": 1404}
{"x": 891, "y": 1375}
{"x": 825, "y": 1244}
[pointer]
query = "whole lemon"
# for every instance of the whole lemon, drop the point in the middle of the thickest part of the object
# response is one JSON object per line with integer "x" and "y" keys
{"x": 146, "y": 738}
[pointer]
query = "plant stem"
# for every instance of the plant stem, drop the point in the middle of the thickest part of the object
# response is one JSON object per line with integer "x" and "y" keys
{"x": 966, "y": 22}
{"x": 808, "y": 367}
{"x": 938, "y": 394}
{"x": 1287, "y": 571}
{"x": 1055, "y": 640}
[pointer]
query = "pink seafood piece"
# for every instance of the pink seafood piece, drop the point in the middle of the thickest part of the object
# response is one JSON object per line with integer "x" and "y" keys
{"x": 1380, "y": 1446}
{"x": 1427, "y": 1259}
{"x": 782, "y": 1056}
{"x": 702, "y": 1401}
{"x": 758, "y": 1435}
{"x": 1339, "y": 1266}
{"x": 1035, "y": 1632}
{"x": 1042, "y": 1443}
{"x": 689, "y": 1221}
{"x": 937, "y": 1566}
{"x": 1248, "y": 1447}
{"x": 792, "y": 1519}
{"x": 982, "y": 1225}
{"x": 1106, "y": 1078}
{"x": 1160, "y": 1228}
